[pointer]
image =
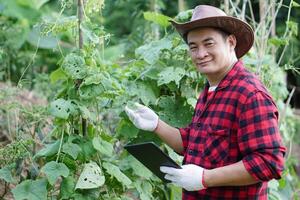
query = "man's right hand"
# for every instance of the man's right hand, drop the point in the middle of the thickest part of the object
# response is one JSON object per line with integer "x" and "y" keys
{"x": 142, "y": 117}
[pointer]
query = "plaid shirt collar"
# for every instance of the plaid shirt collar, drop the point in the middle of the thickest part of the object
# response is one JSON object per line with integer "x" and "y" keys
{"x": 228, "y": 77}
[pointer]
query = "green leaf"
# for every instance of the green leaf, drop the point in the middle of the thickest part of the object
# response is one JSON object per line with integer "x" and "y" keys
{"x": 126, "y": 129}
{"x": 58, "y": 74}
{"x": 53, "y": 170}
{"x": 295, "y": 4}
{"x": 36, "y": 4}
{"x": 88, "y": 150}
{"x": 138, "y": 168}
{"x": 115, "y": 171}
{"x": 150, "y": 52}
{"x": 91, "y": 91}
{"x": 184, "y": 16}
{"x": 5, "y": 174}
{"x": 15, "y": 10}
{"x": 145, "y": 92}
{"x": 67, "y": 187}
{"x": 171, "y": 74}
{"x": 278, "y": 41}
{"x": 61, "y": 108}
{"x": 71, "y": 149}
{"x": 74, "y": 66}
{"x": 176, "y": 113}
{"x": 94, "y": 79}
{"x": 86, "y": 114}
{"x": 90, "y": 177}
{"x": 103, "y": 146}
{"x": 16, "y": 34}
{"x": 90, "y": 35}
{"x": 36, "y": 39}
{"x": 29, "y": 189}
{"x": 192, "y": 102}
{"x": 145, "y": 189}
{"x": 48, "y": 150}
{"x": 157, "y": 18}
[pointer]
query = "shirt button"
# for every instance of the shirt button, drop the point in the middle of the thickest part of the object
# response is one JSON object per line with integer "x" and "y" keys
{"x": 191, "y": 152}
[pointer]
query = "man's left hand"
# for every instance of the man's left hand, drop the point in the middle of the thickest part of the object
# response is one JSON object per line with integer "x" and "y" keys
{"x": 189, "y": 177}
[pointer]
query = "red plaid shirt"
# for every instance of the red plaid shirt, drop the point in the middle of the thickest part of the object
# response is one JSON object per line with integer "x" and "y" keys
{"x": 239, "y": 122}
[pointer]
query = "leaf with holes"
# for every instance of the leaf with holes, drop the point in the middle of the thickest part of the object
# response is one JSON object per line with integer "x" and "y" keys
{"x": 116, "y": 172}
{"x": 53, "y": 170}
{"x": 91, "y": 91}
{"x": 61, "y": 108}
{"x": 90, "y": 177}
{"x": 74, "y": 66}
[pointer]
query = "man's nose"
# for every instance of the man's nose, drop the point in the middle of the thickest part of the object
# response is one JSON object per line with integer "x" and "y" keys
{"x": 201, "y": 53}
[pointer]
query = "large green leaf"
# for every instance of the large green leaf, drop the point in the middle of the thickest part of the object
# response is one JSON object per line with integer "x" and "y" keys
{"x": 157, "y": 18}
{"x": 176, "y": 113}
{"x": 138, "y": 168}
{"x": 126, "y": 129}
{"x": 67, "y": 187}
{"x": 146, "y": 93}
{"x": 17, "y": 34}
{"x": 74, "y": 66}
{"x": 36, "y": 4}
{"x": 90, "y": 177}
{"x": 116, "y": 172}
{"x": 48, "y": 150}
{"x": 30, "y": 189}
{"x": 61, "y": 108}
{"x": 171, "y": 74}
{"x": 58, "y": 74}
{"x": 150, "y": 52}
{"x": 16, "y": 10}
{"x": 53, "y": 170}
{"x": 35, "y": 38}
{"x": 5, "y": 174}
{"x": 91, "y": 91}
{"x": 71, "y": 149}
{"x": 103, "y": 146}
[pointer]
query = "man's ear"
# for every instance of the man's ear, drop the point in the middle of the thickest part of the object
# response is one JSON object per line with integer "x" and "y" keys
{"x": 232, "y": 41}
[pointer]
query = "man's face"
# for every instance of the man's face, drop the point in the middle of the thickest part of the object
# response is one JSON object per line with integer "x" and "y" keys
{"x": 210, "y": 51}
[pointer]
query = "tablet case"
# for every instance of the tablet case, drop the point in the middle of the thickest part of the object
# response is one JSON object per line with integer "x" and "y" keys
{"x": 152, "y": 157}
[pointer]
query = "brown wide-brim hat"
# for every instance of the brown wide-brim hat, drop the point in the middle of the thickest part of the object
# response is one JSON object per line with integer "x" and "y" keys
{"x": 209, "y": 16}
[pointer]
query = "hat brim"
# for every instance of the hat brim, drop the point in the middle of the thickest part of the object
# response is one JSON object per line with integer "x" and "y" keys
{"x": 242, "y": 31}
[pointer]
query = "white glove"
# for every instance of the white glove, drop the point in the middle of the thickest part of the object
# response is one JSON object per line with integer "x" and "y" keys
{"x": 189, "y": 177}
{"x": 143, "y": 117}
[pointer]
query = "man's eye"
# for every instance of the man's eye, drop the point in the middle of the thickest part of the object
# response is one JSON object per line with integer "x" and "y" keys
{"x": 193, "y": 48}
{"x": 209, "y": 44}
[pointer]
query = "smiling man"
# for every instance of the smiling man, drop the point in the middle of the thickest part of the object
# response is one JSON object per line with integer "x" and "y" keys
{"x": 232, "y": 147}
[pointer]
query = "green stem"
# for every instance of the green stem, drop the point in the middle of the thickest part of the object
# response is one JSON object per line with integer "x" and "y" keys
{"x": 60, "y": 145}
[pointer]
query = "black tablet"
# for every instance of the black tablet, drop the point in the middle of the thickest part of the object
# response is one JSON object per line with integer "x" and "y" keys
{"x": 152, "y": 157}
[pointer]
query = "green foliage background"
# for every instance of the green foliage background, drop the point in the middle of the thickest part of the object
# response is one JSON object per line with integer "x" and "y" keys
{"x": 130, "y": 54}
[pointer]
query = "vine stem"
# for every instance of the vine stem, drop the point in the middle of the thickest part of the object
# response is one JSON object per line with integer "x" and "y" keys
{"x": 80, "y": 11}
{"x": 60, "y": 145}
{"x": 31, "y": 61}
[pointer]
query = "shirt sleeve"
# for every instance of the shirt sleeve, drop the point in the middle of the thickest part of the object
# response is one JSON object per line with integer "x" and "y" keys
{"x": 184, "y": 132}
{"x": 259, "y": 139}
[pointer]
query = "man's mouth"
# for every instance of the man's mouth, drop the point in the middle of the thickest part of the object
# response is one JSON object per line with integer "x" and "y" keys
{"x": 203, "y": 63}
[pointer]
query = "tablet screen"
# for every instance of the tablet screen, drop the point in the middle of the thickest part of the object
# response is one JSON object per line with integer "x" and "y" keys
{"x": 152, "y": 157}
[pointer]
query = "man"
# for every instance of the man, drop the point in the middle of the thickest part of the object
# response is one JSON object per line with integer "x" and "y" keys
{"x": 232, "y": 147}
